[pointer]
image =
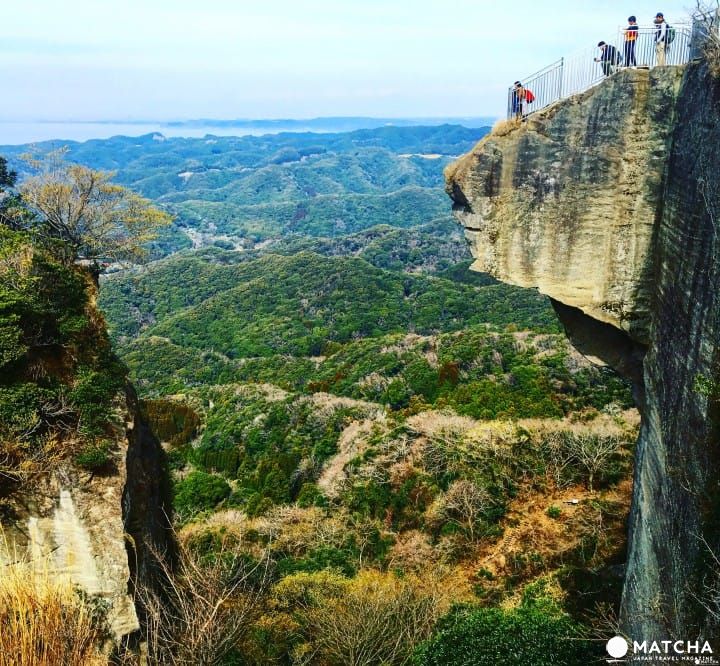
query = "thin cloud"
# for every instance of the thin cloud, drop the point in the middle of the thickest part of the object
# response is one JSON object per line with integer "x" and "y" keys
{"x": 223, "y": 58}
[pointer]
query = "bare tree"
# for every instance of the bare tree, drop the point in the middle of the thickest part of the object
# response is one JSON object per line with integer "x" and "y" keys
{"x": 559, "y": 457}
{"x": 207, "y": 608}
{"x": 709, "y": 594}
{"x": 593, "y": 451}
{"x": 464, "y": 505}
{"x": 707, "y": 17}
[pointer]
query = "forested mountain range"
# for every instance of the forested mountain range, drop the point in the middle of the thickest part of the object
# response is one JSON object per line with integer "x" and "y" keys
{"x": 245, "y": 189}
{"x": 345, "y": 405}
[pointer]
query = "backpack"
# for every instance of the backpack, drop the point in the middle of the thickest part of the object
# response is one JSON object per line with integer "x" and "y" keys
{"x": 670, "y": 35}
{"x": 529, "y": 97}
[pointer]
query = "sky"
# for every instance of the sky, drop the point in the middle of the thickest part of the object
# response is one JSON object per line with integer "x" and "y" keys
{"x": 182, "y": 59}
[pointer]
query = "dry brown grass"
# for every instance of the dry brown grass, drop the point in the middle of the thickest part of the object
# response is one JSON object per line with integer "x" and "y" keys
{"x": 44, "y": 622}
{"x": 26, "y": 464}
{"x": 712, "y": 54}
{"x": 590, "y": 530}
{"x": 504, "y": 127}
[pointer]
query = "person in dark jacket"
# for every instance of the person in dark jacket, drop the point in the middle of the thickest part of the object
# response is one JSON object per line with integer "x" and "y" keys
{"x": 631, "y": 35}
{"x": 518, "y": 100}
{"x": 609, "y": 58}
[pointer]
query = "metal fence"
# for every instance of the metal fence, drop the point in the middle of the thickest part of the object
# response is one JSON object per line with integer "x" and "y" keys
{"x": 581, "y": 71}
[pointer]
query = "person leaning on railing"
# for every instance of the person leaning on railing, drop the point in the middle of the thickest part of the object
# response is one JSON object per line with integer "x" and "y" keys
{"x": 518, "y": 100}
{"x": 609, "y": 58}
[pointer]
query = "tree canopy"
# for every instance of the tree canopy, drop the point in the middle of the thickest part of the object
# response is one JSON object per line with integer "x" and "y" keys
{"x": 94, "y": 217}
{"x": 10, "y": 206}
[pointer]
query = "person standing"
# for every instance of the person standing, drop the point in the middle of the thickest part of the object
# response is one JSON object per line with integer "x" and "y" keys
{"x": 661, "y": 35}
{"x": 631, "y": 35}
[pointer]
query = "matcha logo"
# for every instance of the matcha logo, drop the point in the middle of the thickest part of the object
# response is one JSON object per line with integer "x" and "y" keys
{"x": 617, "y": 647}
{"x": 691, "y": 652}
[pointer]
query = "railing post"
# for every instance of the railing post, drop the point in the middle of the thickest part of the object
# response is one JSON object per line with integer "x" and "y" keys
{"x": 580, "y": 71}
{"x": 560, "y": 78}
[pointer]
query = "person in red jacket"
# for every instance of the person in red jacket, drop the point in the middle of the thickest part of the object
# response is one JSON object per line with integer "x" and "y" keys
{"x": 521, "y": 97}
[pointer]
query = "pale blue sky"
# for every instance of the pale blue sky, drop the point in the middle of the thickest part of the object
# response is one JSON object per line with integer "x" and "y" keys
{"x": 163, "y": 59}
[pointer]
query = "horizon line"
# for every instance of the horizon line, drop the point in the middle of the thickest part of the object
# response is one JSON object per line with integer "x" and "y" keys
{"x": 145, "y": 121}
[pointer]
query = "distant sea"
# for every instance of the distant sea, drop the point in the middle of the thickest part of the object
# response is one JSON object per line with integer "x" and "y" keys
{"x": 21, "y": 132}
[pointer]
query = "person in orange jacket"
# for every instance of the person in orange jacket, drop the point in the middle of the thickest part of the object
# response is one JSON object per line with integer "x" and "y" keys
{"x": 631, "y": 35}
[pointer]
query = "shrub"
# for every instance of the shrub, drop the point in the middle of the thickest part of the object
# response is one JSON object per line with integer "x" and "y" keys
{"x": 321, "y": 559}
{"x": 198, "y": 492}
{"x": 706, "y": 18}
{"x": 374, "y": 618}
{"x": 311, "y": 495}
{"x": 554, "y": 511}
{"x": 25, "y": 409}
{"x": 92, "y": 397}
{"x": 526, "y": 636}
{"x": 95, "y": 457}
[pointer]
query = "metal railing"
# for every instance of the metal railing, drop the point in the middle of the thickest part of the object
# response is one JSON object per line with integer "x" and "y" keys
{"x": 581, "y": 71}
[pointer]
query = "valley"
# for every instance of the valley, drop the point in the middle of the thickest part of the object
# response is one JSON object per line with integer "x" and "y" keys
{"x": 345, "y": 406}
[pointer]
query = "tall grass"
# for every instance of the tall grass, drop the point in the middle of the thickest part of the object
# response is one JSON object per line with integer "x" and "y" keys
{"x": 44, "y": 621}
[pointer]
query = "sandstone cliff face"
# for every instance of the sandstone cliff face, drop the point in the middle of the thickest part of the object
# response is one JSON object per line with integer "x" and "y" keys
{"x": 609, "y": 203}
{"x": 98, "y": 526}
{"x": 99, "y": 531}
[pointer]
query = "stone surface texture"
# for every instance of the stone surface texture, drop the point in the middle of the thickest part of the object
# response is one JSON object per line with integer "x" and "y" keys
{"x": 100, "y": 532}
{"x": 609, "y": 203}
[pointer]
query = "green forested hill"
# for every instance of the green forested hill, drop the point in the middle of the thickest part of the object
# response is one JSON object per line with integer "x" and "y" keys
{"x": 340, "y": 397}
{"x": 337, "y": 324}
{"x": 250, "y": 188}
{"x": 332, "y": 214}
{"x": 437, "y": 248}
{"x": 298, "y": 304}
{"x": 133, "y": 155}
{"x": 136, "y": 298}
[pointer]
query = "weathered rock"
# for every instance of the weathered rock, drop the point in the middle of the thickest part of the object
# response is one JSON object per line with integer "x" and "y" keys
{"x": 567, "y": 202}
{"x": 609, "y": 203}
{"x": 100, "y": 532}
